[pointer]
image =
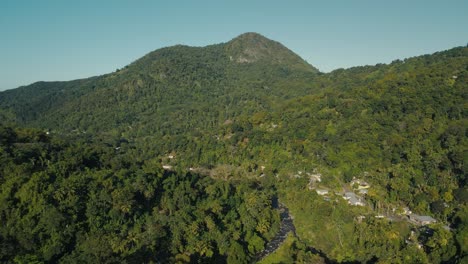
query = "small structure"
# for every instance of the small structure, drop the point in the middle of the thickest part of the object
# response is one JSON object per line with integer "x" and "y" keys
{"x": 360, "y": 184}
{"x": 363, "y": 191}
{"x": 353, "y": 199}
{"x": 321, "y": 191}
{"x": 167, "y": 167}
{"x": 315, "y": 177}
{"x": 421, "y": 219}
{"x": 406, "y": 211}
{"x": 360, "y": 218}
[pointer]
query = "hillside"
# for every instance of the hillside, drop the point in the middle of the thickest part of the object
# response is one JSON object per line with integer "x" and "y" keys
{"x": 180, "y": 81}
{"x": 253, "y": 116}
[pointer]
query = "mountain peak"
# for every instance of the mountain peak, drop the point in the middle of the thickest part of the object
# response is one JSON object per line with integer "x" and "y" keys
{"x": 253, "y": 47}
{"x": 251, "y": 36}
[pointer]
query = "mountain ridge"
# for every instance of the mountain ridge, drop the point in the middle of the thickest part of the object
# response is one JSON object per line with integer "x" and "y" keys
{"x": 239, "y": 37}
{"x": 244, "y": 63}
{"x": 183, "y": 68}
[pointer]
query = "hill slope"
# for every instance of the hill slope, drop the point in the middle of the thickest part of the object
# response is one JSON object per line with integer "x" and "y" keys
{"x": 250, "y": 108}
{"x": 182, "y": 81}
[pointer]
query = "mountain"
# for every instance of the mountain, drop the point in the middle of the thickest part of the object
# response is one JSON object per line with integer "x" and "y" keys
{"x": 255, "y": 118}
{"x": 169, "y": 81}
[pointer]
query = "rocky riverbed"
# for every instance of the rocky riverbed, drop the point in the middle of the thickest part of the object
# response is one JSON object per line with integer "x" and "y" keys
{"x": 287, "y": 226}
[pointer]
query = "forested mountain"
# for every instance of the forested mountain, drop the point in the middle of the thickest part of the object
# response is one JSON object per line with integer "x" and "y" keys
{"x": 177, "y": 82}
{"x": 233, "y": 121}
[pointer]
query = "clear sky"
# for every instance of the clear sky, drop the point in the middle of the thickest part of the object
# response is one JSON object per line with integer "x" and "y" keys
{"x": 69, "y": 39}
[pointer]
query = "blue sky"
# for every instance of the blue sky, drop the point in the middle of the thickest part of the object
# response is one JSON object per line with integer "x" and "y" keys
{"x": 63, "y": 40}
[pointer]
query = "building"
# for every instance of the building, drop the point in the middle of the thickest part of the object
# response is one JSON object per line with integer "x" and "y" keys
{"x": 360, "y": 184}
{"x": 321, "y": 191}
{"x": 315, "y": 177}
{"x": 353, "y": 199}
{"x": 167, "y": 167}
{"x": 363, "y": 191}
{"x": 422, "y": 219}
{"x": 406, "y": 211}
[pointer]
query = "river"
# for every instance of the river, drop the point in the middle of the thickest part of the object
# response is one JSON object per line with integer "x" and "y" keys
{"x": 287, "y": 225}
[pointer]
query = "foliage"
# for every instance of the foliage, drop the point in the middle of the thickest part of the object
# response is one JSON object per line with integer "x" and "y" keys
{"x": 64, "y": 201}
{"x": 234, "y": 114}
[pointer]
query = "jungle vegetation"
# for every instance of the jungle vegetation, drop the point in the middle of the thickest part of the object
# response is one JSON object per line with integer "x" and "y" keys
{"x": 233, "y": 124}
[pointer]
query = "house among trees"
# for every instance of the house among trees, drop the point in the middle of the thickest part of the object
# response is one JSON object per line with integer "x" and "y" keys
{"x": 353, "y": 199}
{"x": 421, "y": 219}
{"x": 363, "y": 191}
{"x": 406, "y": 211}
{"x": 360, "y": 184}
{"x": 360, "y": 218}
{"x": 167, "y": 167}
{"x": 314, "y": 179}
{"x": 321, "y": 191}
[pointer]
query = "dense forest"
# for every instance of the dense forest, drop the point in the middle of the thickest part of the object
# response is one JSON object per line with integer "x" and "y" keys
{"x": 183, "y": 156}
{"x": 79, "y": 201}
